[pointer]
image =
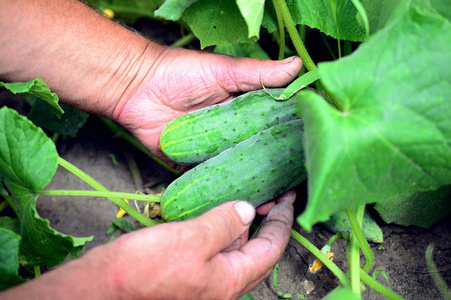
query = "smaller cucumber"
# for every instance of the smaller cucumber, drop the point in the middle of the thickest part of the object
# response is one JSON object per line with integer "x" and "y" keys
{"x": 199, "y": 135}
{"x": 340, "y": 222}
{"x": 257, "y": 170}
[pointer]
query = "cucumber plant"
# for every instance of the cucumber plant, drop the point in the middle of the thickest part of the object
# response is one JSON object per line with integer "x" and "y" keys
{"x": 376, "y": 125}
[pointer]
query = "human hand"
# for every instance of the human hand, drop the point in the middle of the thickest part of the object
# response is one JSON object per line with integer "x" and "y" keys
{"x": 204, "y": 258}
{"x": 184, "y": 80}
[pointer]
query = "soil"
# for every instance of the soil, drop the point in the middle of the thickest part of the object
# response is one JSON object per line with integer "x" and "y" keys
{"x": 97, "y": 152}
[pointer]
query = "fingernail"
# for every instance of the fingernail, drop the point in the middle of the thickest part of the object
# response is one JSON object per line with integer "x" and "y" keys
{"x": 276, "y": 209}
{"x": 246, "y": 211}
{"x": 286, "y": 60}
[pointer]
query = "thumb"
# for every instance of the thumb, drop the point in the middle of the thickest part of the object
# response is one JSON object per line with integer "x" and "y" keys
{"x": 218, "y": 228}
{"x": 249, "y": 73}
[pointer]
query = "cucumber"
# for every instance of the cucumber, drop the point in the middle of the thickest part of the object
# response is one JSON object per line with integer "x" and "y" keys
{"x": 199, "y": 135}
{"x": 257, "y": 170}
{"x": 340, "y": 222}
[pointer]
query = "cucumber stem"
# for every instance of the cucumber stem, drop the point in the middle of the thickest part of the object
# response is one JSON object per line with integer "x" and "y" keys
{"x": 96, "y": 185}
{"x": 360, "y": 237}
{"x": 380, "y": 288}
{"x": 183, "y": 41}
{"x": 354, "y": 261}
{"x": 322, "y": 257}
{"x": 103, "y": 194}
{"x": 294, "y": 35}
{"x": 3, "y": 205}
{"x": 281, "y": 30}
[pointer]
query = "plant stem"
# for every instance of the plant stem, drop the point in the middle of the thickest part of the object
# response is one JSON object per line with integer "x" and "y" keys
{"x": 438, "y": 280}
{"x": 37, "y": 271}
{"x": 281, "y": 30}
{"x": 294, "y": 35}
{"x": 360, "y": 237}
{"x": 134, "y": 169}
{"x": 10, "y": 201}
{"x": 103, "y": 194}
{"x": 120, "y": 132}
{"x": 299, "y": 45}
{"x": 354, "y": 261}
{"x": 380, "y": 288}
{"x": 321, "y": 256}
{"x": 183, "y": 41}
{"x": 96, "y": 185}
{"x": 3, "y": 205}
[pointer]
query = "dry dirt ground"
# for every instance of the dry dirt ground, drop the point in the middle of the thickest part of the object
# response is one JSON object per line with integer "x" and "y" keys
{"x": 99, "y": 154}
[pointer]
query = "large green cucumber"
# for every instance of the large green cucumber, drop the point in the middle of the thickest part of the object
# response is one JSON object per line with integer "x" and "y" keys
{"x": 257, "y": 170}
{"x": 199, "y": 135}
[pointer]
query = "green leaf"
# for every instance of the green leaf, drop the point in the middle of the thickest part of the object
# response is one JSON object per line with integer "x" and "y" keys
{"x": 374, "y": 276}
{"x": 38, "y": 88}
{"x": 28, "y": 158}
{"x": 9, "y": 223}
{"x": 252, "y": 12}
{"x": 337, "y": 20}
{"x": 9, "y": 259}
{"x": 28, "y": 161}
{"x": 422, "y": 209}
{"x": 384, "y": 13}
{"x": 342, "y": 294}
{"x": 246, "y": 297}
{"x": 173, "y": 9}
{"x": 394, "y": 133}
{"x": 41, "y": 245}
{"x": 67, "y": 125}
{"x": 124, "y": 225}
{"x": 243, "y": 50}
{"x": 217, "y": 23}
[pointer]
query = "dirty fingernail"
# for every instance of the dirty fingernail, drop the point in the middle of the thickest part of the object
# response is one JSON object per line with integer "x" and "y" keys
{"x": 246, "y": 211}
{"x": 286, "y": 60}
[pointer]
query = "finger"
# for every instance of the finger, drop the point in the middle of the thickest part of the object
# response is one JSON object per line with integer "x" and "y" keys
{"x": 238, "y": 242}
{"x": 265, "y": 208}
{"x": 247, "y": 74}
{"x": 218, "y": 228}
{"x": 288, "y": 196}
{"x": 245, "y": 267}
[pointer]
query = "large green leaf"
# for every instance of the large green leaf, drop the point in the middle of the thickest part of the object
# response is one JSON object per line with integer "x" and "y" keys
{"x": 28, "y": 161}
{"x": 422, "y": 209}
{"x": 217, "y": 23}
{"x": 394, "y": 133}
{"x": 38, "y": 88}
{"x": 243, "y": 50}
{"x": 28, "y": 158}
{"x": 67, "y": 125}
{"x": 9, "y": 259}
{"x": 384, "y": 13}
{"x": 252, "y": 12}
{"x": 40, "y": 244}
{"x": 337, "y": 18}
{"x": 173, "y": 9}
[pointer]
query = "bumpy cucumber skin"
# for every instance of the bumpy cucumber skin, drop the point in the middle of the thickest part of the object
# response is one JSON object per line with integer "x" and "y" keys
{"x": 199, "y": 135}
{"x": 257, "y": 170}
{"x": 340, "y": 222}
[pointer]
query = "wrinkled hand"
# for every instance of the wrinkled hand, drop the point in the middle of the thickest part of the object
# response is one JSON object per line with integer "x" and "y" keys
{"x": 184, "y": 80}
{"x": 204, "y": 258}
